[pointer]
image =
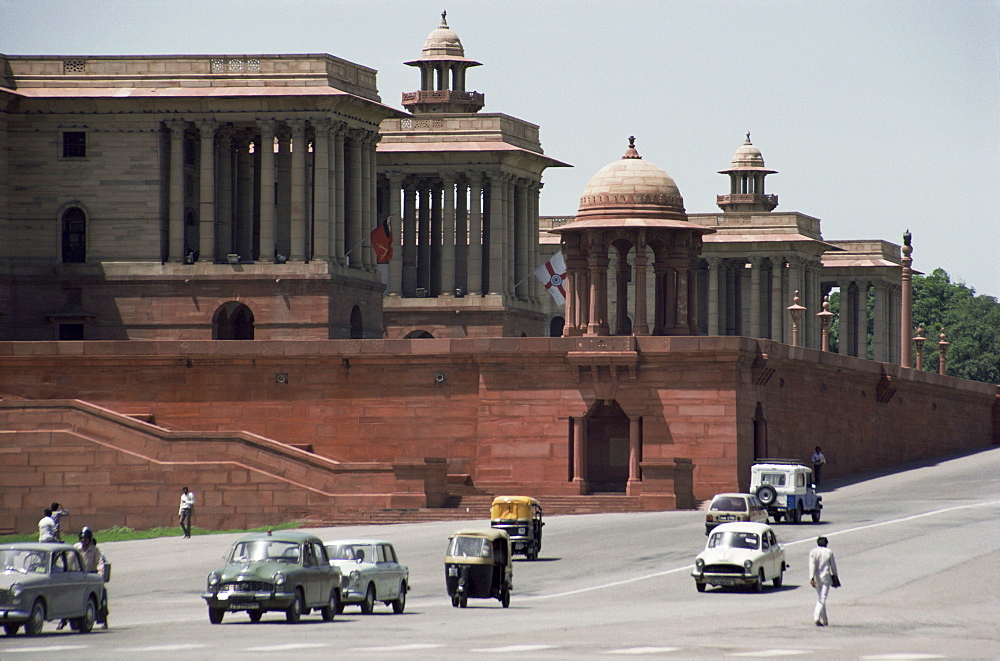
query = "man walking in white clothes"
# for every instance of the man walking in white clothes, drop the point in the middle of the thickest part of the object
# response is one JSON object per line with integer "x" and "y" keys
{"x": 822, "y": 575}
{"x": 185, "y": 511}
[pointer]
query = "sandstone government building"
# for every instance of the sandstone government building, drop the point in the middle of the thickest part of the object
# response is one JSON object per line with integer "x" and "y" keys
{"x": 248, "y": 275}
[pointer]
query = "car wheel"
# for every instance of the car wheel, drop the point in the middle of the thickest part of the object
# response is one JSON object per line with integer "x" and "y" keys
{"x": 454, "y": 601}
{"x": 330, "y": 610}
{"x": 463, "y": 601}
{"x": 505, "y": 597}
{"x": 215, "y": 615}
{"x": 796, "y": 514}
{"x": 85, "y": 622}
{"x": 780, "y": 577}
{"x": 340, "y": 606}
{"x": 368, "y": 605}
{"x": 766, "y": 494}
{"x": 700, "y": 586}
{"x": 816, "y": 515}
{"x": 758, "y": 585}
{"x": 33, "y": 626}
{"x": 294, "y": 612}
{"x": 400, "y": 603}
{"x": 255, "y": 615}
{"x": 10, "y": 628}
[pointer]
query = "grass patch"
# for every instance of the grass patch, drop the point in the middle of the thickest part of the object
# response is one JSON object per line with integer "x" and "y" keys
{"x": 124, "y": 533}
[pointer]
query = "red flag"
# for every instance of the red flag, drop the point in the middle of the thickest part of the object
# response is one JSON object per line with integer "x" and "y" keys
{"x": 381, "y": 238}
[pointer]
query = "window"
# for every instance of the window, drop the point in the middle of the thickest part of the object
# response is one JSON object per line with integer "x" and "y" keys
{"x": 74, "y": 236}
{"x": 70, "y": 332}
{"x": 74, "y": 144}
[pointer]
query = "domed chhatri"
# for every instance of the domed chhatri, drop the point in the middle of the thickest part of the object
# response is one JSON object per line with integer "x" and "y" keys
{"x": 442, "y": 65}
{"x": 746, "y": 181}
{"x": 634, "y": 188}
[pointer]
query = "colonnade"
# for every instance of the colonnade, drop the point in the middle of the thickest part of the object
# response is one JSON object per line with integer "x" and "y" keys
{"x": 292, "y": 189}
{"x": 463, "y": 233}
{"x": 749, "y": 296}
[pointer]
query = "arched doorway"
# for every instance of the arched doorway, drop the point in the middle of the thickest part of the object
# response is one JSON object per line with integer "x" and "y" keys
{"x": 74, "y": 236}
{"x": 418, "y": 335}
{"x": 357, "y": 325}
{"x": 759, "y": 433}
{"x": 607, "y": 448}
{"x": 232, "y": 321}
{"x": 556, "y": 326}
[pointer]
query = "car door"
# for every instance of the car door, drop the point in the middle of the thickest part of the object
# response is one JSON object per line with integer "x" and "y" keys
{"x": 768, "y": 555}
{"x": 312, "y": 578}
{"x": 390, "y": 572}
{"x": 59, "y": 587}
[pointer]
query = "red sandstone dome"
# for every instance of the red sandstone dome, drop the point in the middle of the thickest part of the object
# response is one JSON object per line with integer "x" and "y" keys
{"x": 632, "y": 191}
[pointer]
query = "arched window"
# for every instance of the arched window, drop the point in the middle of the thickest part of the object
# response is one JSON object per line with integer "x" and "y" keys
{"x": 418, "y": 335}
{"x": 556, "y": 326}
{"x": 357, "y": 325}
{"x": 232, "y": 321}
{"x": 74, "y": 236}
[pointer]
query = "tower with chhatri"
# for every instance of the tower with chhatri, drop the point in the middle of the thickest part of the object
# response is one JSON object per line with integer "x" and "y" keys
{"x": 459, "y": 189}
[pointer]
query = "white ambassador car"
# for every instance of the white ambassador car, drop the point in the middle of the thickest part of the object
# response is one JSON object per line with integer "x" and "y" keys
{"x": 740, "y": 554}
{"x": 372, "y": 572}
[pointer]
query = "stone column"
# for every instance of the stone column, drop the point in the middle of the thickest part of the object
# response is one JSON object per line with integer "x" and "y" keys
{"x": 580, "y": 454}
{"x": 777, "y": 301}
{"x": 297, "y": 234}
{"x": 621, "y": 293}
{"x": 368, "y": 202}
{"x": 224, "y": 210}
{"x": 338, "y": 189}
{"x": 267, "y": 228}
{"x": 355, "y": 203}
{"x": 424, "y": 238}
{"x": 535, "y": 258}
{"x": 321, "y": 189}
{"x": 497, "y": 235}
{"x": 206, "y": 185}
{"x": 509, "y": 245}
{"x": 244, "y": 198}
{"x": 861, "y": 318}
{"x": 845, "y": 339}
{"x": 756, "y": 264}
{"x": 175, "y": 231}
{"x": 634, "y": 449}
{"x": 879, "y": 347}
{"x": 713, "y": 294}
{"x": 409, "y": 238}
{"x": 522, "y": 236}
{"x": 448, "y": 236}
{"x": 640, "y": 325}
{"x": 434, "y": 286}
{"x": 462, "y": 236}
{"x": 475, "y": 233}
{"x": 395, "y": 211}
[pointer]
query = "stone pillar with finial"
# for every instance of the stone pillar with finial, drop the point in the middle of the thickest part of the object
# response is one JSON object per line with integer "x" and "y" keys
{"x": 906, "y": 303}
{"x": 796, "y": 311}
{"x": 918, "y": 342}
{"x": 825, "y": 317}
{"x": 943, "y": 352}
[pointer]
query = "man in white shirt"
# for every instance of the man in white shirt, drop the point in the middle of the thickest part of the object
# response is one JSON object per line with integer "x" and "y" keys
{"x": 822, "y": 575}
{"x": 47, "y": 528}
{"x": 185, "y": 511}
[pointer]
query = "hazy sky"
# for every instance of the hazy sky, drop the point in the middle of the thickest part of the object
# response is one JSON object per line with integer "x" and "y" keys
{"x": 879, "y": 116}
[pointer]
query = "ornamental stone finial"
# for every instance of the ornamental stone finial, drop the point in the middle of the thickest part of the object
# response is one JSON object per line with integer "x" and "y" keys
{"x": 631, "y": 152}
{"x": 444, "y": 18}
{"x": 748, "y": 139}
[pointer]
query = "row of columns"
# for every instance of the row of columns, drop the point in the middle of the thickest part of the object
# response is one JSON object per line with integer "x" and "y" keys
{"x": 464, "y": 233}
{"x": 314, "y": 195}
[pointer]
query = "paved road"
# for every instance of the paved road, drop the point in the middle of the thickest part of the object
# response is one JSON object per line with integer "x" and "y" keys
{"x": 918, "y": 552}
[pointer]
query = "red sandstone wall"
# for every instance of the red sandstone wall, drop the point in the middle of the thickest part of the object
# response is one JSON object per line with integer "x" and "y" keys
{"x": 502, "y": 411}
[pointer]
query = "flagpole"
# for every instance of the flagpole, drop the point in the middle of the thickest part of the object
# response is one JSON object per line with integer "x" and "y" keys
{"x": 387, "y": 218}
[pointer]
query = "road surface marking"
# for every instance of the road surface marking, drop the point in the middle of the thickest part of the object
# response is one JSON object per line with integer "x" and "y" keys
{"x": 399, "y": 648}
{"x": 286, "y": 647}
{"x": 687, "y": 568}
{"x": 514, "y": 648}
{"x": 767, "y": 654}
{"x": 48, "y": 648}
{"x": 643, "y": 650}
{"x": 164, "y": 648}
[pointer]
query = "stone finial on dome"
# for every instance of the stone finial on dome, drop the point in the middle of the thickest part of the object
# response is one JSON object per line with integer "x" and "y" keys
{"x": 631, "y": 152}
{"x": 748, "y": 139}
{"x": 444, "y": 22}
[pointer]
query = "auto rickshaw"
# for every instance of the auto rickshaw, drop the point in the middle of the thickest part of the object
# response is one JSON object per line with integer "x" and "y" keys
{"x": 521, "y": 517}
{"x": 478, "y": 564}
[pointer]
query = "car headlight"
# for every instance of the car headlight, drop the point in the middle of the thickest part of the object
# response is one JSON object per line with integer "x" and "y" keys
{"x": 213, "y": 580}
{"x": 699, "y": 564}
{"x": 279, "y": 578}
{"x": 355, "y": 575}
{"x": 522, "y": 531}
{"x": 15, "y": 590}
{"x": 748, "y": 565}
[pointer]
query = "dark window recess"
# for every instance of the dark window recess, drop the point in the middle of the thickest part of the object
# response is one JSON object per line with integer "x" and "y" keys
{"x": 74, "y": 144}
{"x": 74, "y": 297}
{"x": 70, "y": 331}
{"x": 74, "y": 234}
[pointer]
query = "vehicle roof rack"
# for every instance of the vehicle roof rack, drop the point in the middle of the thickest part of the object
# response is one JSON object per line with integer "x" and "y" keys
{"x": 797, "y": 462}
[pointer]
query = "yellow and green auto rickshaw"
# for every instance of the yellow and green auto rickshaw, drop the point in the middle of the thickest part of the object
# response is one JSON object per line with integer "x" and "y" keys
{"x": 521, "y": 517}
{"x": 478, "y": 565}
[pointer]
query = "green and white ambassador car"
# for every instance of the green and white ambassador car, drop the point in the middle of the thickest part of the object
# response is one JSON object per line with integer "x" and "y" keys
{"x": 46, "y": 582}
{"x": 283, "y": 571}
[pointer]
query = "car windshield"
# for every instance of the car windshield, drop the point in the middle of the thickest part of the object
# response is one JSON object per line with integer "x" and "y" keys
{"x": 24, "y": 561}
{"x": 729, "y": 504}
{"x": 470, "y": 547}
{"x": 265, "y": 550}
{"x": 734, "y": 540}
{"x": 357, "y": 552}
{"x": 774, "y": 479}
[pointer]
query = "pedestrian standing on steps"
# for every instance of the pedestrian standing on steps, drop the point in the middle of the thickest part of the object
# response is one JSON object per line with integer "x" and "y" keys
{"x": 185, "y": 512}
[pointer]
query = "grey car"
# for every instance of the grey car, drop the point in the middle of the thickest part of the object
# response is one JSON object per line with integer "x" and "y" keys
{"x": 46, "y": 582}
{"x": 372, "y": 572}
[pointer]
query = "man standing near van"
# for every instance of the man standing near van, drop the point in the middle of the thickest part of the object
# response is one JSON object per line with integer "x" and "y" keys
{"x": 185, "y": 512}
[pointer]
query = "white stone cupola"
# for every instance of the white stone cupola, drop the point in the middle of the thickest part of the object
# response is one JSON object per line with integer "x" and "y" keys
{"x": 746, "y": 182}
{"x": 442, "y": 65}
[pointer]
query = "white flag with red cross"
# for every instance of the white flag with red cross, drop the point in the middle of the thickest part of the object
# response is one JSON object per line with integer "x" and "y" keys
{"x": 553, "y": 275}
